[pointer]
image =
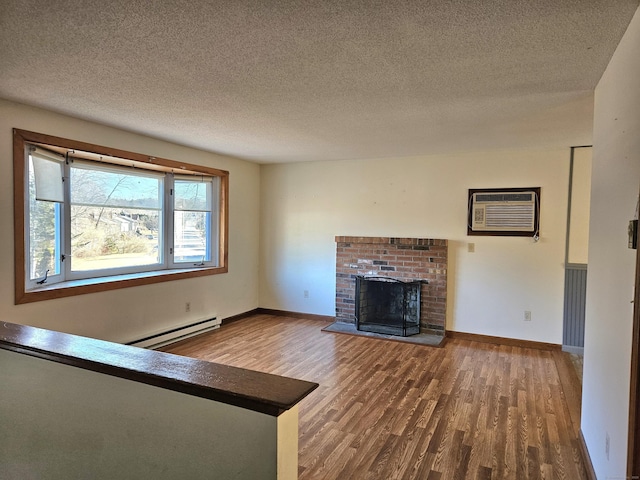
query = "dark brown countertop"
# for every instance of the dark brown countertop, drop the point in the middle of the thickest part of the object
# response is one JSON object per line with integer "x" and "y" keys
{"x": 257, "y": 391}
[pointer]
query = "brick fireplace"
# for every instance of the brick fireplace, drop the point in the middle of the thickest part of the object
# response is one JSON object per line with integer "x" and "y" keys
{"x": 400, "y": 258}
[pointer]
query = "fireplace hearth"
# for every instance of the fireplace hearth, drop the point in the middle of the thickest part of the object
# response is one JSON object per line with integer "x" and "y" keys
{"x": 387, "y": 305}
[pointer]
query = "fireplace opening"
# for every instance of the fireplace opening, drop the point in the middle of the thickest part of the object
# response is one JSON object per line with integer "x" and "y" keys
{"x": 387, "y": 305}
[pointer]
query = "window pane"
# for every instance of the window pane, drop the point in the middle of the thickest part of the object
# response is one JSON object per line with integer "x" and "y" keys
{"x": 192, "y": 220}
{"x": 115, "y": 218}
{"x": 102, "y": 186}
{"x": 194, "y": 195}
{"x": 106, "y": 237}
{"x": 192, "y": 238}
{"x": 44, "y": 234}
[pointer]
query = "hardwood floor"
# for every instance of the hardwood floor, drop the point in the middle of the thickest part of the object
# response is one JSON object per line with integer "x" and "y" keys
{"x": 391, "y": 410}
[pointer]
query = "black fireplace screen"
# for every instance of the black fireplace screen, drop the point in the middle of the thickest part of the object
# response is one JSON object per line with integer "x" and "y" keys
{"x": 386, "y": 305}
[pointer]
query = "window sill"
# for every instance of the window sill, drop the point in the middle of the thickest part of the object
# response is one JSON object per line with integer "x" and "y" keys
{"x": 102, "y": 284}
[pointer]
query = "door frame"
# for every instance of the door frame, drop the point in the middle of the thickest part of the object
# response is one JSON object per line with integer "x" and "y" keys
{"x": 633, "y": 445}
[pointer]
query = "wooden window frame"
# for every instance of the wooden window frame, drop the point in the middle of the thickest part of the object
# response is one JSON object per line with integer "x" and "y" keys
{"x": 100, "y": 284}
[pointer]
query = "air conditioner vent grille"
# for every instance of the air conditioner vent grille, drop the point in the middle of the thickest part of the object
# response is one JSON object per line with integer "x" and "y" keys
{"x": 509, "y": 216}
{"x": 504, "y": 197}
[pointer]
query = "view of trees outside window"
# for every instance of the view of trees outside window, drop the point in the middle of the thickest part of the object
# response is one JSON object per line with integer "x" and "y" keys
{"x": 116, "y": 221}
{"x": 103, "y": 216}
{"x": 115, "y": 218}
{"x": 44, "y": 240}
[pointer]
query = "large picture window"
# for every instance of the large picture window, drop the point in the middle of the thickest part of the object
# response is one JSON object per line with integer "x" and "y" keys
{"x": 95, "y": 218}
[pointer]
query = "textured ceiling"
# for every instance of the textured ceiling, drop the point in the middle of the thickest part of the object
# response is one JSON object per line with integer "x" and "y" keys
{"x": 318, "y": 80}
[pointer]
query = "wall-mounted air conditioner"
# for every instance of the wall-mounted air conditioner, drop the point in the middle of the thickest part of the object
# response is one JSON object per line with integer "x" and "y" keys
{"x": 504, "y": 212}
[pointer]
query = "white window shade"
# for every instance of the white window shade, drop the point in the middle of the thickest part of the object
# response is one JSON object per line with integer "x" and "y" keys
{"x": 48, "y": 170}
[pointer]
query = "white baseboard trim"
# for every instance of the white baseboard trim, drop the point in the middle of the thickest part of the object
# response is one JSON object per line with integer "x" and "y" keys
{"x": 179, "y": 333}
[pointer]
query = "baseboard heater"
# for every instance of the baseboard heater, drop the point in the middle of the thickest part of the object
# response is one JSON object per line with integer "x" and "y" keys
{"x": 179, "y": 333}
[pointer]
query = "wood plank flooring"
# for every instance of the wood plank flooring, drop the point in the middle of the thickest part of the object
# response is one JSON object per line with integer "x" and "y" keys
{"x": 390, "y": 410}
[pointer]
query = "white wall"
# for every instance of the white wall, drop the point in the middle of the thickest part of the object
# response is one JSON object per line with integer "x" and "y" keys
{"x": 304, "y": 206}
{"x": 127, "y": 314}
{"x": 62, "y": 422}
{"x": 580, "y": 206}
{"x": 610, "y": 281}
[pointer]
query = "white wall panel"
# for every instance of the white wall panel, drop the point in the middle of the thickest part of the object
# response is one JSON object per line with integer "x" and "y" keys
{"x": 304, "y": 206}
{"x": 611, "y": 275}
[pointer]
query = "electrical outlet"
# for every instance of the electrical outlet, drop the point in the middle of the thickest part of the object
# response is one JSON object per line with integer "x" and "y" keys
{"x": 187, "y": 307}
{"x": 527, "y": 316}
{"x": 471, "y": 247}
{"x": 306, "y": 294}
{"x": 607, "y": 445}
